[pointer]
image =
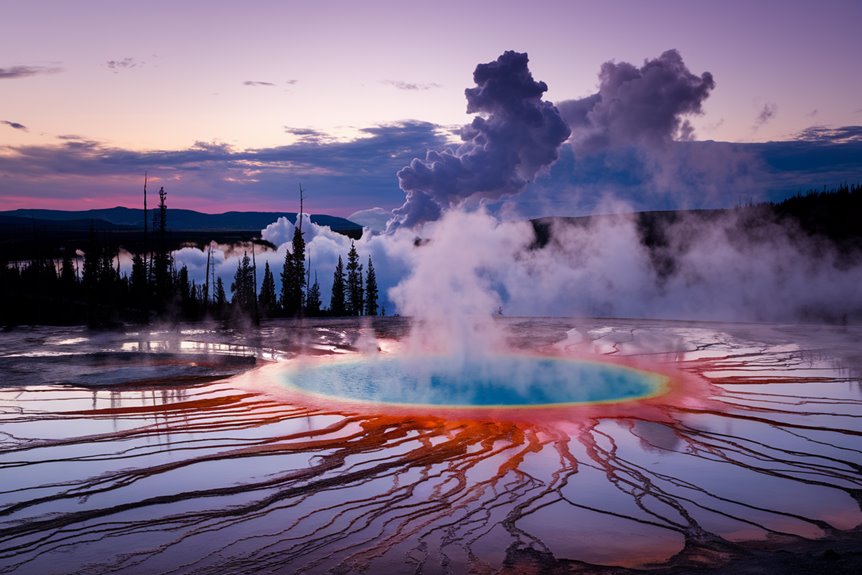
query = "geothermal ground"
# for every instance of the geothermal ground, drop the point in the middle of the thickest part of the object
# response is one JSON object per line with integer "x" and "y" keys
{"x": 193, "y": 451}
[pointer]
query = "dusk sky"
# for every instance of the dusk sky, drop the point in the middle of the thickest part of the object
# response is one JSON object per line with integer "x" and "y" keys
{"x": 231, "y": 105}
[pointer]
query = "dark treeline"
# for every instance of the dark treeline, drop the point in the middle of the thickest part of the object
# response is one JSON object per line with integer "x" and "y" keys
{"x": 827, "y": 222}
{"x": 88, "y": 286}
{"x": 832, "y": 215}
{"x": 835, "y": 214}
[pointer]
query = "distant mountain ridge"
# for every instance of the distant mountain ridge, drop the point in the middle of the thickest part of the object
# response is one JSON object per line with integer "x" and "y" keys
{"x": 178, "y": 219}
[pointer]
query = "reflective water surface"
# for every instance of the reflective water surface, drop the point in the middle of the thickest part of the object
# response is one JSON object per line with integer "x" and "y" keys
{"x": 184, "y": 451}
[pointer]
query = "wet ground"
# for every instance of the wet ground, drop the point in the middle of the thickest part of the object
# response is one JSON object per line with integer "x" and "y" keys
{"x": 180, "y": 451}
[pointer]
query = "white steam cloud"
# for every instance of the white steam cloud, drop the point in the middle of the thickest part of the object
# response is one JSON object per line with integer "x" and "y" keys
{"x": 638, "y": 105}
{"x": 513, "y": 138}
{"x": 451, "y": 266}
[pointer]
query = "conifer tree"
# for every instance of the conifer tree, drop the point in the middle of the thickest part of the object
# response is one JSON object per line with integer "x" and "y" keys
{"x": 267, "y": 300}
{"x": 67, "y": 271}
{"x": 298, "y": 293}
{"x": 354, "y": 299}
{"x": 371, "y": 293}
{"x": 312, "y": 302}
{"x": 107, "y": 275}
{"x": 336, "y": 303}
{"x": 162, "y": 264}
{"x": 242, "y": 287}
{"x": 184, "y": 290}
{"x": 236, "y": 287}
{"x": 220, "y": 297}
{"x": 288, "y": 275}
{"x": 293, "y": 275}
{"x": 90, "y": 276}
{"x": 68, "y": 285}
{"x": 138, "y": 279}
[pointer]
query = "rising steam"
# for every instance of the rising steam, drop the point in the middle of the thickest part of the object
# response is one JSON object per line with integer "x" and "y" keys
{"x": 645, "y": 105}
{"x": 469, "y": 265}
{"x": 513, "y": 138}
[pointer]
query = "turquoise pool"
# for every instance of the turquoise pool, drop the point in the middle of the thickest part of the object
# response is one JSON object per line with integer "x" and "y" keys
{"x": 498, "y": 381}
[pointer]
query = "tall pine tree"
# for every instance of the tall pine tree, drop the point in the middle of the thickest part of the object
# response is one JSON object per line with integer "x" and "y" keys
{"x": 185, "y": 291}
{"x": 139, "y": 281}
{"x": 354, "y": 295}
{"x": 220, "y": 297}
{"x": 298, "y": 266}
{"x": 267, "y": 301}
{"x": 312, "y": 302}
{"x": 371, "y": 293}
{"x": 243, "y": 285}
{"x": 288, "y": 279}
{"x": 67, "y": 272}
{"x": 336, "y": 302}
{"x": 293, "y": 275}
{"x": 162, "y": 264}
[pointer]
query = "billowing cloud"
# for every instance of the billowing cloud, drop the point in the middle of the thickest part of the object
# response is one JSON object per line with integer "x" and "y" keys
{"x": 513, "y": 138}
{"x": 638, "y": 105}
{"x": 14, "y": 125}
{"x": 633, "y": 140}
{"x": 15, "y": 72}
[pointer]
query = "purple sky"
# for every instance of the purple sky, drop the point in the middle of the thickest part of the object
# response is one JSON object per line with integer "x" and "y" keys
{"x": 231, "y": 105}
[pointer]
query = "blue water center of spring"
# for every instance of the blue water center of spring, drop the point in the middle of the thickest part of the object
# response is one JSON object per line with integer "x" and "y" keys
{"x": 499, "y": 381}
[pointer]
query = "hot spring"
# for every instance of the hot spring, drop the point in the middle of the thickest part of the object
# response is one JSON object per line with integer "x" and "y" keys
{"x": 668, "y": 447}
{"x": 498, "y": 381}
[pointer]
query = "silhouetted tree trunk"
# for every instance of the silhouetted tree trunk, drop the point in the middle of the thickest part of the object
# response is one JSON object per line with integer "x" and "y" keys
{"x": 162, "y": 262}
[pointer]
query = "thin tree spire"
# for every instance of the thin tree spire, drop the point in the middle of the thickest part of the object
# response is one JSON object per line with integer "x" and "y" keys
{"x": 299, "y": 216}
{"x": 145, "y": 218}
{"x": 254, "y": 283}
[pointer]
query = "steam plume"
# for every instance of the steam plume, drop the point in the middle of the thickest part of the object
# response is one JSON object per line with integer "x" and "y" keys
{"x": 634, "y": 105}
{"x": 741, "y": 265}
{"x": 631, "y": 132}
{"x": 515, "y": 135}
